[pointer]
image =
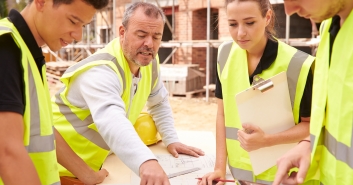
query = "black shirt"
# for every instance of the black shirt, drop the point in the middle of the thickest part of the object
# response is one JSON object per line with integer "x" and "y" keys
{"x": 12, "y": 97}
{"x": 268, "y": 57}
{"x": 334, "y": 28}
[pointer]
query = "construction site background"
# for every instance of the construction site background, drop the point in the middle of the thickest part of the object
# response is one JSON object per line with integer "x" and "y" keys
{"x": 188, "y": 53}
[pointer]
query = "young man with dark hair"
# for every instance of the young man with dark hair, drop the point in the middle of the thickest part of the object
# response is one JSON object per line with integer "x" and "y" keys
{"x": 28, "y": 152}
{"x": 331, "y": 126}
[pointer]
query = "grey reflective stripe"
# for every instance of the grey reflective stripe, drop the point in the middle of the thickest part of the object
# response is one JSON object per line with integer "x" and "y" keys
{"x": 264, "y": 182}
{"x": 5, "y": 28}
{"x": 245, "y": 175}
{"x": 223, "y": 55}
{"x": 40, "y": 143}
{"x": 37, "y": 143}
{"x": 56, "y": 183}
{"x": 341, "y": 151}
{"x": 293, "y": 71}
{"x": 322, "y": 27}
{"x": 154, "y": 72}
{"x": 312, "y": 139}
{"x": 81, "y": 126}
{"x": 231, "y": 133}
{"x": 241, "y": 174}
{"x": 99, "y": 56}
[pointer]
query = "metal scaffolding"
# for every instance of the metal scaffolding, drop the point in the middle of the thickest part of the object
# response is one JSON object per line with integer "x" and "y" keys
{"x": 103, "y": 29}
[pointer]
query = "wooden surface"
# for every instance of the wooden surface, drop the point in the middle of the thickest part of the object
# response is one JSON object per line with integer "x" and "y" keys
{"x": 119, "y": 173}
{"x": 70, "y": 181}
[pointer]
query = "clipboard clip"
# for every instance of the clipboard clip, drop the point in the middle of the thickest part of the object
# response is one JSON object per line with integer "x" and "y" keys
{"x": 261, "y": 84}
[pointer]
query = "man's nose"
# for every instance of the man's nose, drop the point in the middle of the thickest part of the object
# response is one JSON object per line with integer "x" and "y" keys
{"x": 148, "y": 42}
{"x": 290, "y": 8}
{"x": 77, "y": 34}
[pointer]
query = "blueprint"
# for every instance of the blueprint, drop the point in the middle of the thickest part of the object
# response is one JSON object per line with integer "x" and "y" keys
{"x": 171, "y": 165}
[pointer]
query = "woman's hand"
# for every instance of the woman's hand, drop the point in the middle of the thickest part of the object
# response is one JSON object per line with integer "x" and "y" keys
{"x": 209, "y": 177}
{"x": 252, "y": 138}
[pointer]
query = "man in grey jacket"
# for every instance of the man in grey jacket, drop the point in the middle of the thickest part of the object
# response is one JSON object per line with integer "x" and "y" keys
{"x": 104, "y": 94}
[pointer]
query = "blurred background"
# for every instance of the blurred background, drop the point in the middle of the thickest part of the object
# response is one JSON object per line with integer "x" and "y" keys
{"x": 188, "y": 53}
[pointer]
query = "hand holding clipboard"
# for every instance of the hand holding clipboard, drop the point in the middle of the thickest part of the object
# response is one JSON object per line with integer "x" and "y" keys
{"x": 268, "y": 106}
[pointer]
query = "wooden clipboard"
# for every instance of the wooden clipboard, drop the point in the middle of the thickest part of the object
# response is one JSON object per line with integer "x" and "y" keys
{"x": 267, "y": 105}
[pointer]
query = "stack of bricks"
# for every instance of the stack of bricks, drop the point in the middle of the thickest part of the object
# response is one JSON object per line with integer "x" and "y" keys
{"x": 54, "y": 71}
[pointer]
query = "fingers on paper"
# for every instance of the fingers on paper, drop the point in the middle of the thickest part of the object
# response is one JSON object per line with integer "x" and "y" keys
{"x": 189, "y": 150}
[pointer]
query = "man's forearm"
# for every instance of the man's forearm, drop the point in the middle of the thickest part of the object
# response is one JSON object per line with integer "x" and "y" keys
{"x": 292, "y": 135}
{"x": 16, "y": 167}
{"x": 70, "y": 160}
{"x": 221, "y": 147}
{"x": 159, "y": 107}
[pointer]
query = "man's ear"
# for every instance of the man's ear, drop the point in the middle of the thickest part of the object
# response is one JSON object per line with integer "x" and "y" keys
{"x": 39, "y": 4}
{"x": 121, "y": 32}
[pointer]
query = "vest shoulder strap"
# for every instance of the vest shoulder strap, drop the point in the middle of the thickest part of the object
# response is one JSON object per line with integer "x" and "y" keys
{"x": 94, "y": 58}
{"x": 223, "y": 53}
{"x": 155, "y": 73}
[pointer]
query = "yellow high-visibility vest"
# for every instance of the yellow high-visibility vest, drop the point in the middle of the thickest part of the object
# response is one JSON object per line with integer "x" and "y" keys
{"x": 232, "y": 64}
{"x": 76, "y": 125}
{"x": 38, "y": 123}
{"x": 331, "y": 126}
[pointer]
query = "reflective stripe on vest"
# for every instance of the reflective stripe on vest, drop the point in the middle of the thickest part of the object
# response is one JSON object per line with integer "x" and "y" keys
{"x": 95, "y": 57}
{"x": 81, "y": 125}
{"x": 37, "y": 143}
{"x": 223, "y": 55}
{"x": 245, "y": 175}
{"x": 109, "y": 57}
{"x": 5, "y": 28}
{"x": 341, "y": 151}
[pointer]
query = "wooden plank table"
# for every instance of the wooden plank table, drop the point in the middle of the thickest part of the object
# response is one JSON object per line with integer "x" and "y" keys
{"x": 120, "y": 174}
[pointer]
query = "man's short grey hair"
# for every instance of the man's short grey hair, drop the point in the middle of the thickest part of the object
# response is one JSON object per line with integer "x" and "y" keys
{"x": 150, "y": 10}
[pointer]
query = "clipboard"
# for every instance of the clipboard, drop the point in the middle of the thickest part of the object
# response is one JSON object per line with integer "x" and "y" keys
{"x": 267, "y": 105}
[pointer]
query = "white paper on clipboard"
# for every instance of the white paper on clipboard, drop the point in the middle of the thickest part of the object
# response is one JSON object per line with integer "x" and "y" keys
{"x": 270, "y": 110}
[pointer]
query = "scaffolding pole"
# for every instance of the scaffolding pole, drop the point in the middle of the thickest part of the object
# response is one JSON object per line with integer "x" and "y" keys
{"x": 287, "y": 28}
{"x": 114, "y": 20}
{"x": 208, "y": 49}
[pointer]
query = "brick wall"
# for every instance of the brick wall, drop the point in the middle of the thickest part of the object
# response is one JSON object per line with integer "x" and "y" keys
{"x": 191, "y": 21}
{"x": 199, "y": 28}
{"x": 223, "y": 25}
{"x": 183, "y": 31}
